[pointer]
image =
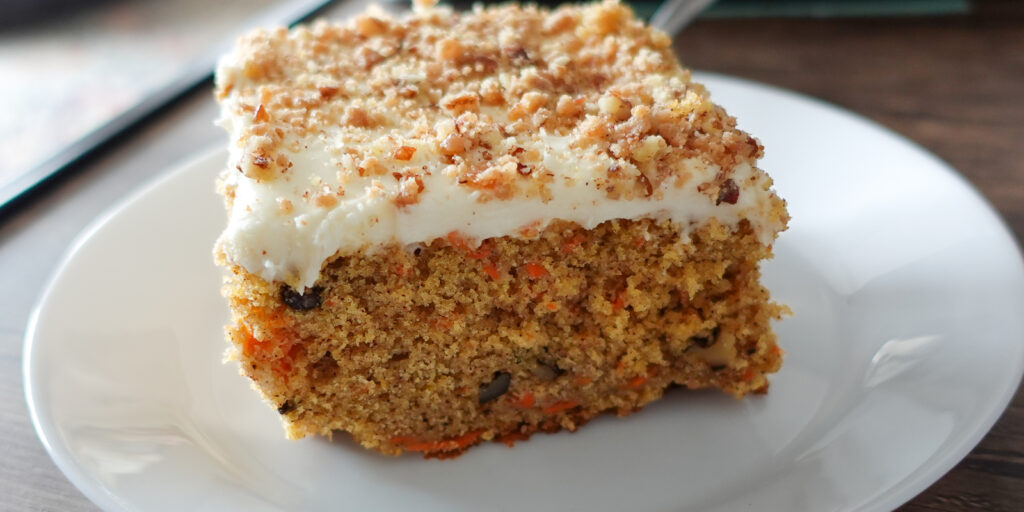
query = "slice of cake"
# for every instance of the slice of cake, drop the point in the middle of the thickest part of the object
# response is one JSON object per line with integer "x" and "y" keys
{"x": 458, "y": 227}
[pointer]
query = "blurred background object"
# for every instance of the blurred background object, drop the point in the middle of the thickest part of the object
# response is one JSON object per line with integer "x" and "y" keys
{"x": 70, "y": 69}
{"x": 70, "y": 66}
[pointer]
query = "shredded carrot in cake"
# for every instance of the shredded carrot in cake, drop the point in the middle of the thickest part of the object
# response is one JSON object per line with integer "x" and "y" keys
{"x": 536, "y": 270}
{"x": 414, "y": 444}
{"x": 458, "y": 241}
{"x": 619, "y": 302}
{"x": 491, "y": 269}
{"x": 573, "y": 243}
{"x": 561, "y": 406}
{"x": 249, "y": 342}
{"x": 524, "y": 400}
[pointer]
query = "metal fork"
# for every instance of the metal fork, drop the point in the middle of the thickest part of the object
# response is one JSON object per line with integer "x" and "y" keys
{"x": 674, "y": 15}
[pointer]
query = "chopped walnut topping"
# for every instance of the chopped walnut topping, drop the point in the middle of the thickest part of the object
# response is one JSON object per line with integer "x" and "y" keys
{"x": 490, "y": 92}
{"x": 462, "y": 103}
{"x": 449, "y": 49}
{"x": 531, "y": 102}
{"x": 568, "y": 107}
{"x": 517, "y": 55}
{"x": 488, "y": 99}
{"x": 328, "y": 91}
{"x": 284, "y": 205}
{"x": 371, "y": 166}
{"x": 404, "y": 153}
{"x": 648, "y": 188}
{"x": 369, "y": 26}
{"x": 355, "y": 116}
{"x": 605, "y": 18}
{"x": 260, "y": 116}
{"x": 325, "y": 199}
{"x": 261, "y": 161}
{"x": 649, "y": 148}
{"x": 612, "y": 106}
{"x": 282, "y": 162}
{"x": 453, "y": 144}
{"x": 409, "y": 191}
{"x": 559, "y": 21}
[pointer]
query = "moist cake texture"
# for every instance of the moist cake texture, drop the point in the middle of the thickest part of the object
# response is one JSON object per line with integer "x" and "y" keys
{"x": 450, "y": 227}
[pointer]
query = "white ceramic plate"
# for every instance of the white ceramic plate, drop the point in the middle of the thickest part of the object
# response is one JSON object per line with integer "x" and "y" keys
{"x": 906, "y": 344}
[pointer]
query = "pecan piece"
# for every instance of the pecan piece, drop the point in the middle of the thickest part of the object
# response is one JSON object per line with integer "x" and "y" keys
{"x": 729, "y": 192}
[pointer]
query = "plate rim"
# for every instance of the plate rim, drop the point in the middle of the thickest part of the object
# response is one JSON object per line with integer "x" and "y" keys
{"x": 901, "y": 492}
{"x": 84, "y": 481}
{"x": 918, "y": 481}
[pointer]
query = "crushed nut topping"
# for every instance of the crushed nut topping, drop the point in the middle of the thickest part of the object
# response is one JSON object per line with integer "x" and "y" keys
{"x": 404, "y": 153}
{"x": 488, "y": 93}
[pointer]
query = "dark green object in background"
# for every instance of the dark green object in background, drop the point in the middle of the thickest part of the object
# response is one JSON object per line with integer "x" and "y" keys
{"x": 829, "y": 8}
{"x": 796, "y": 8}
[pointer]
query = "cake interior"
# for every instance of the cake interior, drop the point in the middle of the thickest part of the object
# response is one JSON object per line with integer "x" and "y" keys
{"x": 436, "y": 347}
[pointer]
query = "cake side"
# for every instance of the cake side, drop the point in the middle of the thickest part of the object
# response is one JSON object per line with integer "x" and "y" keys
{"x": 440, "y": 347}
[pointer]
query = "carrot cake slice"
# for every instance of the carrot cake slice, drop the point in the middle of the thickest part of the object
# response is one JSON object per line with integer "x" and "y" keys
{"x": 448, "y": 228}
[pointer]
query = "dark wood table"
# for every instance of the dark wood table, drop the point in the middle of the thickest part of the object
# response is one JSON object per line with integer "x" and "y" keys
{"x": 954, "y": 84}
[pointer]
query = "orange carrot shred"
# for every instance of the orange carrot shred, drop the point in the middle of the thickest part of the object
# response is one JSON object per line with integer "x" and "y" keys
{"x": 491, "y": 270}
{"x": 529, "y": 231}
{"x": 524, "y": 400}
{"x": 558, "y": 407}
{"x": 551, "y": 306}
{"x": 445, "y": 322}
{"x": 749, "y": 374}
{"x": 480, "y": 252}
{"x": 283, "y": 366}
{"x": 618, "y": 303}
{"x": 462, "y": 243}
{"x": 250, "y": 344}
{"x": 457, "y": 241}
{"x": 636, "y": 382}
{"x": 445, "y": 445}
{"x": 572, "y": 243}
{"x": 535, "y": 270}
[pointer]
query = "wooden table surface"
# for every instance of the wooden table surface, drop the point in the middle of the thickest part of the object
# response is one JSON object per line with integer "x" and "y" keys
{"x": 955, "y": 85}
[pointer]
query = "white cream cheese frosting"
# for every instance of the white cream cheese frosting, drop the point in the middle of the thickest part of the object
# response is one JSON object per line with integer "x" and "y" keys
{"x": 291, "y": 247}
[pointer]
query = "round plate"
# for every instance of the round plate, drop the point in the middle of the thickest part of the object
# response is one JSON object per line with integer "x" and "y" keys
{"x": 904, "y": 347}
